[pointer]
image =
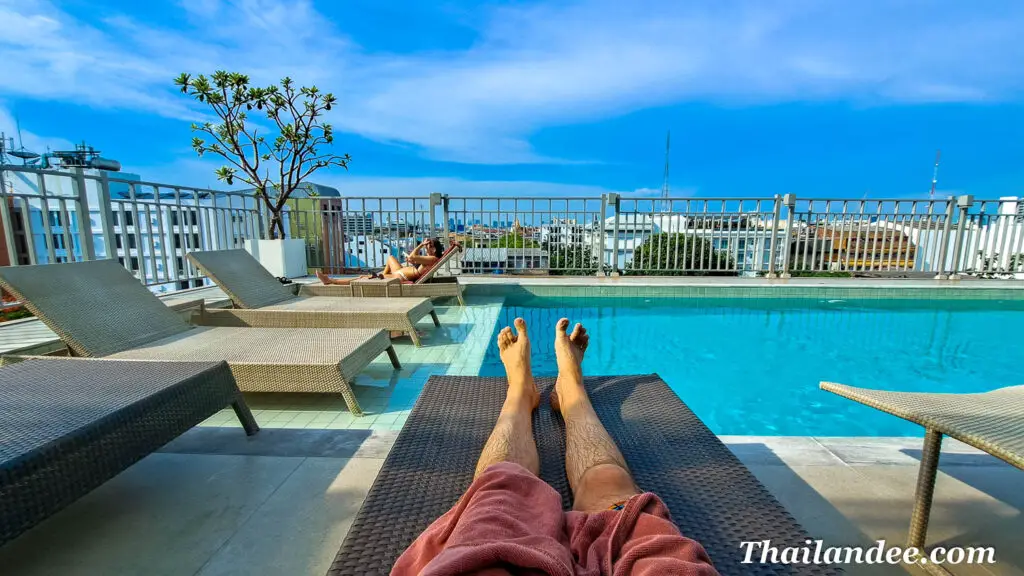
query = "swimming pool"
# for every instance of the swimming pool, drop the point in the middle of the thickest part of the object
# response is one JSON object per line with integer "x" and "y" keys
{"x": 752, "y": 366}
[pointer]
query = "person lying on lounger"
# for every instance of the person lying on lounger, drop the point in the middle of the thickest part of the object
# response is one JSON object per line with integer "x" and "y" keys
{"x": 510, "y": 521}
{"x": 416, "y": 263}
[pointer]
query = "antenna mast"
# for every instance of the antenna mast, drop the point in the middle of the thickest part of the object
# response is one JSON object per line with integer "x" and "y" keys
{"x": 935, "y": 174}
{"x": 665, "y": 192}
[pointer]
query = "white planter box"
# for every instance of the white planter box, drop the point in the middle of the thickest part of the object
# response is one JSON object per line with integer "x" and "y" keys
{"x": 281, "y": 257}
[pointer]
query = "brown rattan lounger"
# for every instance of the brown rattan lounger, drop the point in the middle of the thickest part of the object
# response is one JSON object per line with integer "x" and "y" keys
{"x": 68, "y": 425}
{"x": 990, "y": 421}
{"x": 713, "y": 497}
{"x": 100, "y": 310}
{"x": 261, "y": 300}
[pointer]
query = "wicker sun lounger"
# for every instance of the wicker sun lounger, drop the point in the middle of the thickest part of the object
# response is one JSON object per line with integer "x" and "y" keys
{"x": 989, "y": 421}
{"x": 261, "y": 300}
{"x": 68, "y": 425}
{"x": 428, "y": 285}
{"x": 100, "y": 310}
{"x": 713, "y": 497}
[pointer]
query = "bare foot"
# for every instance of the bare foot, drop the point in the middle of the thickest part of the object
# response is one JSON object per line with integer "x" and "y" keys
{"x": 514, "y": 350}
{"x": 323, "y": 278}
{"x": 569, "y": 351}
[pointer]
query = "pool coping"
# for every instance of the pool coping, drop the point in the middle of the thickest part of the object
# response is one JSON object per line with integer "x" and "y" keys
{"x": 754, "y": 288}
{"x": 638, "y": 287}
{"x": 734, "y": 282}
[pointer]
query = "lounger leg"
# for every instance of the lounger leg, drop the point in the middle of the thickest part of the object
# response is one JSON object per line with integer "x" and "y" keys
{"x": 245, "y": 416}
{"x": 433, "y": 316}
{"x": 925, "y": 488}
{"x": 394, "y": 358}
{"x": 410, "y": 327}
{"x": 350, "y": 400}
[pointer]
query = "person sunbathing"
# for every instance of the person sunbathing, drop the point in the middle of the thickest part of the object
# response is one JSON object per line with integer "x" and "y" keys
{"x": 416, "y": 264}
{"x": 509, "y": 521}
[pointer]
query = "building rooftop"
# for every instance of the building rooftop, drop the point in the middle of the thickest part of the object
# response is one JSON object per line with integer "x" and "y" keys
{"x": 216, "y": 502}
{"x": 498, "y": 254}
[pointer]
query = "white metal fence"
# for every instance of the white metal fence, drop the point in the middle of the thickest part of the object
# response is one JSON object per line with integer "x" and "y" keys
{"x": 52, "y": 216}
{"x": 59, "y": 216}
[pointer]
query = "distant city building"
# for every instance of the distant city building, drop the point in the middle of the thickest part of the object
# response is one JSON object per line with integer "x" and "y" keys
{"x": 367, "y": 252}
{"x": 503, "y": 261}
{"x": 149, "y": 239}
{"x": 357, "y": 224}
{"x": 860, "y": 248}
{"x": 562, "y": 231}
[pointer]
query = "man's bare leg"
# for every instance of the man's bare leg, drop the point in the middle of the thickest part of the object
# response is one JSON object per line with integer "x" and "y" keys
{"x": 597, "y": 472}
{"x": 512, "y": 437}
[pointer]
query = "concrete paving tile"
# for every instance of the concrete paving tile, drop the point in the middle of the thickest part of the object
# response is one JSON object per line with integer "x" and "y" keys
{"x": 903, "y": 451}
{"x": 297, "y": 531}
{"x": 976, "y": 506}
{"x": 362, "y": 422}
{"x": 377, "y": 445}
{"x": 780, "y": 450}
{"x": 965, "y": 500}
{"x": 166, "y": 515}
{"x": 822, "y": 498}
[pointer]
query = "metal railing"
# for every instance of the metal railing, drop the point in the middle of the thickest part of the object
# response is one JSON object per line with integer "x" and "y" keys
{"x": 528, "y": 235}
{"x": 52, "y": 216}
{"x": 60, "y": 216}
{"x": 344, "y": 234}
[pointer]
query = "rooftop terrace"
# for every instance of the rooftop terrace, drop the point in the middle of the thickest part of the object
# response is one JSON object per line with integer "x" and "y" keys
{"x": 217, "y": 502}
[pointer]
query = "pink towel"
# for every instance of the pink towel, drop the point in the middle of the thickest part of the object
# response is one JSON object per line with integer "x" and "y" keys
{"x": 511, "y": 522}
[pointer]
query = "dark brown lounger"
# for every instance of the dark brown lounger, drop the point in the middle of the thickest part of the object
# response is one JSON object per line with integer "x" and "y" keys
{"x": 713, "y": 497}
{"x": 70, "y": 424}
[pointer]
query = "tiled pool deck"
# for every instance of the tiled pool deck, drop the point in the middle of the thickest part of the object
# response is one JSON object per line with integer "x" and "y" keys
{"x": 386, "y": 395}
{"x": 215, "y": 502}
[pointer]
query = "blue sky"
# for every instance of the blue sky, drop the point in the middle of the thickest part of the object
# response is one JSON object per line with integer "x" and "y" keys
{"x": 553, "y": 98}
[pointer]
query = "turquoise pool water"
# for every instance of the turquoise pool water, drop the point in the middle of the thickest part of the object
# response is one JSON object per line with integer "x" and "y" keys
{"x": 753, "y": 366}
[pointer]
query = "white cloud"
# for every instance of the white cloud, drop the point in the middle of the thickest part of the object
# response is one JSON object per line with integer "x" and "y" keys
{"x": 532, "y": 66}
{"x": 188, "y": 171}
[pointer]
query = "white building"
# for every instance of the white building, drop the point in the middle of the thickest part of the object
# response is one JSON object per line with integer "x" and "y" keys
{"x": 368, "y": 252}
{"x": 561, "y": 231}
{"x": 151, "y": 239}
{"x": 746, "y": 239}
{"x": 502, "y": 261}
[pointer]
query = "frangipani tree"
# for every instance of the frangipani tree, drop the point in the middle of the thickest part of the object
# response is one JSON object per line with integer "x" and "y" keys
{"x": 273, "y": 157}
